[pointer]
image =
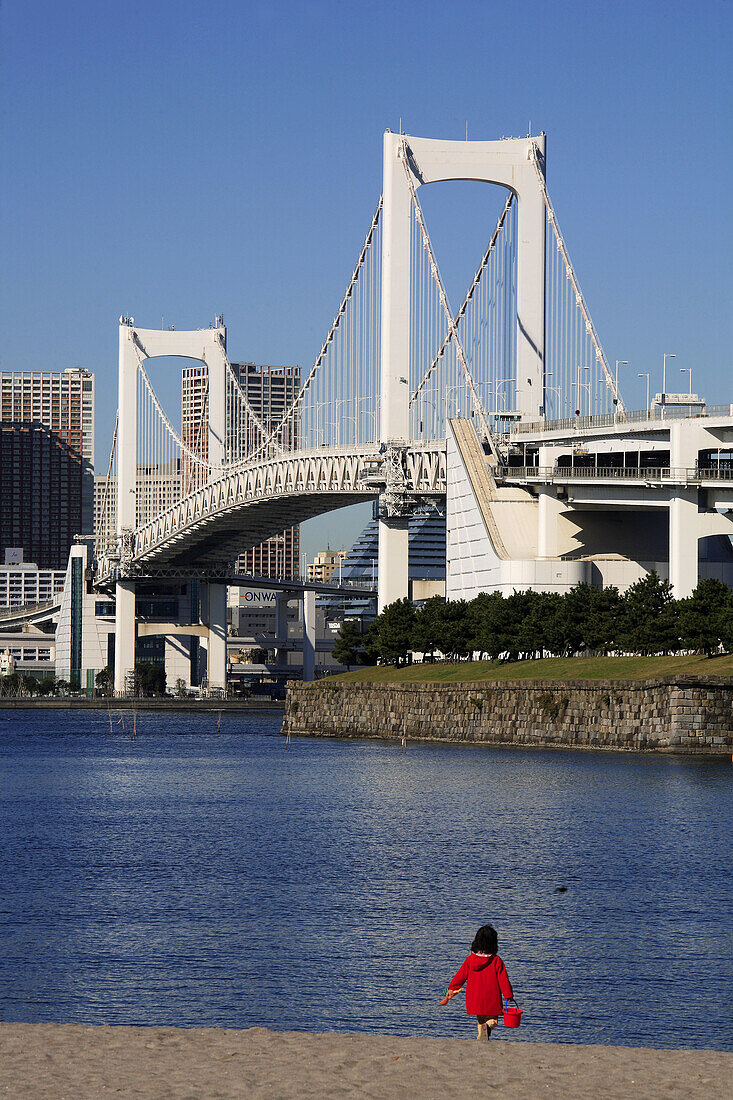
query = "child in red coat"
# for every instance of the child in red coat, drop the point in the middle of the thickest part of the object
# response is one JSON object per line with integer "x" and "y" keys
{"x": 486, "y": 980}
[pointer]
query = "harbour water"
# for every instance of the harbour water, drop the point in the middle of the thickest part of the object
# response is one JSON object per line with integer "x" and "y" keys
{"x": 222, "y": 878}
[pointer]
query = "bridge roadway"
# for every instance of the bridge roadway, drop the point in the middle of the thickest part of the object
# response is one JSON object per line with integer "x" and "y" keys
{"x": 250, "y": 502}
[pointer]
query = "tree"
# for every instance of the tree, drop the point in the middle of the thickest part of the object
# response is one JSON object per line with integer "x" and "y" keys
{"x": 105, "y": 681}
{"x": 484, "y": 616}
{"x": 348, "y": 646}
{"x": 541, "y": 627}
{"x": 393, "y": 631}
{"x": 150, "y": 679}
{"x": 11, "y": 684}
{"x": 428, "y": 631}
{"x": 589, "y": 619}
{"x": 648, "y": 617}
{"x": 180, "y": 688}
{"x": 703, "y": 617}
{"x": 455, "y": 639}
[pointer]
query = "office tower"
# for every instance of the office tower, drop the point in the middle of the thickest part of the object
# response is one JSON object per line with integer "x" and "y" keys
{"x": 270, "y": 391}
{"x": 158, "y": 488}
{"x": 23, "y": 584}
{"x": 325, "y": 564}
{"x": 47, "y": 422}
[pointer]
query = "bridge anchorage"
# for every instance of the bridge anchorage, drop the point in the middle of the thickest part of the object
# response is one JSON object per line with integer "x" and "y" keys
{"x": 406, "y": 400}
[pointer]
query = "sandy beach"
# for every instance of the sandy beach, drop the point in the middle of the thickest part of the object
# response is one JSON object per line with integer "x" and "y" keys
{"x": 73, "y": 1062}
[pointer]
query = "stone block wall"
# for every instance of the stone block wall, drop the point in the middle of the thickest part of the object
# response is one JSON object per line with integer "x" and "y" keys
{"x": 674, "y": 714}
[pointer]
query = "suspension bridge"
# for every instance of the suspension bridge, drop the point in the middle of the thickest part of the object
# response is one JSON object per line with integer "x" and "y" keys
{"x": 399, "y": 366}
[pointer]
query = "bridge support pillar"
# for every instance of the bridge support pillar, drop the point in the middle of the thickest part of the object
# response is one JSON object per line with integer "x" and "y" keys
{"x": 394, "y": 546}
{"x": 281, "y": 629}
{"x": 217, "y": 648}
{"x": 309, "y": 635}
{"x": 124, "y": 634}
{"x": 683, "y": 531}
{"x": 216, "y": 364}
{"x": 548, "y": 512}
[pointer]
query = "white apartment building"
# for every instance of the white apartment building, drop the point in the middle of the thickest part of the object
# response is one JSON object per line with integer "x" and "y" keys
{"x": 23, "y": 584}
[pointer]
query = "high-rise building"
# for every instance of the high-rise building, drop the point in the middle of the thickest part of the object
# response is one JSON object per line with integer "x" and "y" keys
{"x": 47, "y": 463}
{"x": 325, "y": 564}
{"x": 158, "y": 488}
{"x": 22, "y": 583}
{"x": 41, "y": 492}
{"x": 270, "y": 392}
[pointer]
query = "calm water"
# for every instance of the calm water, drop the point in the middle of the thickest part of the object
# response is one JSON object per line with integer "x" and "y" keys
{"x": 197, "y": 878}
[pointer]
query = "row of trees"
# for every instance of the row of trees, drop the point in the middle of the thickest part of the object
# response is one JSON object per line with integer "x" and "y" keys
{"x": 646, "y": 619}
{"x": 17, "y": 684}
{"x": 149, "y": 681}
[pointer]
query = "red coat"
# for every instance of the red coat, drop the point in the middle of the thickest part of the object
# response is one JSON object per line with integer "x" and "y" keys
{"x": 486, "y": 980}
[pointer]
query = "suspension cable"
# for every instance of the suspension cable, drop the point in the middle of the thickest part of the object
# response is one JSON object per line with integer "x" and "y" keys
{"x": 579, "y": 299}
{"x": 103, "y": 510}
{"x": 484, "y": 261}
{"x": 452, "y": 330}
{"x": 341, "y": 310}
{"x": 240, "y": 392}
{"x": 140, "y": 353}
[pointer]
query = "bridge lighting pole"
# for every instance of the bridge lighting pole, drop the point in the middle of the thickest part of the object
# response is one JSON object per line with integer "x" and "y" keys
{"x": 578, "y": 386}
{"x": 622, "y": 363}
{"x": 687, "y": 370}
{"x": 645, "y": 374}
{"x": 552, "y": 389}
{"x": 667, "y": 355}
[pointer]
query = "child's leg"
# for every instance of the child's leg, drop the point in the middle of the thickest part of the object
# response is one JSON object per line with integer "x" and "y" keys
{"x": 486, "y": 1024}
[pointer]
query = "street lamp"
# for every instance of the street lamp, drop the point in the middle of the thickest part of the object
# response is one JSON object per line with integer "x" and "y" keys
{"x": 619, "y": 363}
{"x": 667, "y": 355}
{"x": 645, "y": 374}
{"x": 687, "y": 370}
{"x": 553, "y": 389}
{"x": 578, "y": 386}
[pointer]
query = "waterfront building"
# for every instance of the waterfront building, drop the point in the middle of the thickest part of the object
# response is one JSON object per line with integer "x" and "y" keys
{"x": 85, "y": 633}
{"x": 325, "y": 565}
{"x": 426, "y": 555}
{"x": 158, "y": 488}
{"x": 270, "y": 392}
{"x": 41, "y": 493}
{"x": 23, "y": 584}
{"x": 62, "y": 402}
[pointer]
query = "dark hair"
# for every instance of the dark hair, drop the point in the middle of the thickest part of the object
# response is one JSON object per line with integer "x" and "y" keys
{"x": 485, "y": 942}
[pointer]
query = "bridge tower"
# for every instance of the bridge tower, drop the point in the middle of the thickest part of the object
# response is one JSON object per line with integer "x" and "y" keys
{"x": 428, "y": 160}
{"x": 135, "y": 345}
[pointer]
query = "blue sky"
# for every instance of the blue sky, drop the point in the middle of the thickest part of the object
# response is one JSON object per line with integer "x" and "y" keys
{"x": 178, "y": 160}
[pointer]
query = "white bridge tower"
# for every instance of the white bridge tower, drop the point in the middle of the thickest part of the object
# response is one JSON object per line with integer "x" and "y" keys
{"x": 510, "y": 164}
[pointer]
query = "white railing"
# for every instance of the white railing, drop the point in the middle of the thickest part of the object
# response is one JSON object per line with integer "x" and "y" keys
{"x": 658, "y": 414}
{"x": 615, "y": 473}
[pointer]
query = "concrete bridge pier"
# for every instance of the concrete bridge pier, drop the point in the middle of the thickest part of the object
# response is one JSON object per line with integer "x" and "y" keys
{"x": 124, "y": 634}
{"x": 215, "y": 608}
{"x": 393, "y": 581}
{"x": 683, "y": 541}
{"x": 281, "y": 628}
{"x": 309, "y": 635}
{"x": 686, "y": 439}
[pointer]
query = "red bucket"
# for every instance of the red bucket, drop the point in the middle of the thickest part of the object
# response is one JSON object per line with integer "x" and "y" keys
{"x": 512, "y": 1016}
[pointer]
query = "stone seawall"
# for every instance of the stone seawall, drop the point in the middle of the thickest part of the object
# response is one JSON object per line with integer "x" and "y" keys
{"x": 675, "y": 714}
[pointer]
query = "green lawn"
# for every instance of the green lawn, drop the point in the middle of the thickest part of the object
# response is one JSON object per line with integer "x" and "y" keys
{"x": 551, "y": 668}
